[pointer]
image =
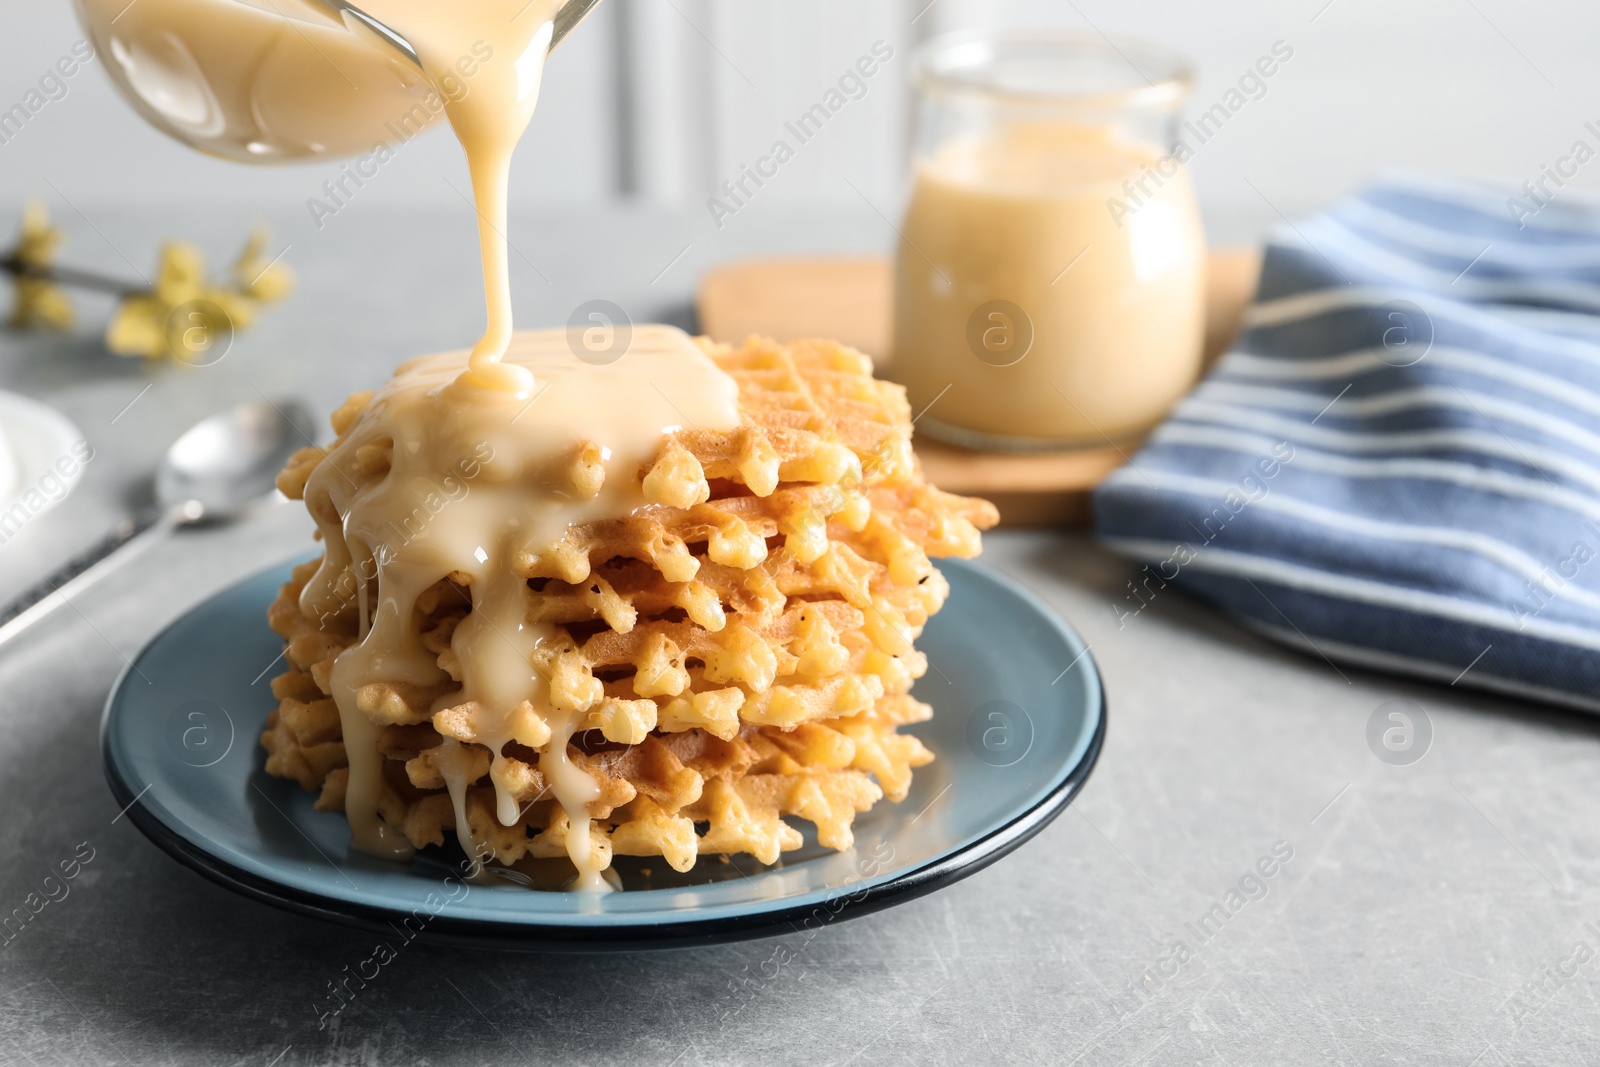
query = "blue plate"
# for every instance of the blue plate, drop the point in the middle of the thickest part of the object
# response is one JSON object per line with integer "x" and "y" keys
{"x": 1019, "y": 720}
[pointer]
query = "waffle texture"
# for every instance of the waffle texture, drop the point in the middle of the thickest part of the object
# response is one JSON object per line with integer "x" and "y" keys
{"x": 740, "y": 650}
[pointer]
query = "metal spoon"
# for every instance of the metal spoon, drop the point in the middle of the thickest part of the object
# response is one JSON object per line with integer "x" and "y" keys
{"x": 567, "y": 20}
{"x": 221, "y": 469}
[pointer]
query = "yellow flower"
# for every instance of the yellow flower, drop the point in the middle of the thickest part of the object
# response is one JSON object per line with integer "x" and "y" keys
{"x": 138, "y": 327}
{"x": 181, "y": 316}
{"x": 182, "y": 273}
{"x": 39, "y": 301}
{"x": 40, "y": 304}
{"x": 266, "y": 280}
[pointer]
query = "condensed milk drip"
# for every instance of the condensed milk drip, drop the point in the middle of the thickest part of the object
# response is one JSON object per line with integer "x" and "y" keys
{"x": 479, "y": 479}
{"x": 489, "y": 119}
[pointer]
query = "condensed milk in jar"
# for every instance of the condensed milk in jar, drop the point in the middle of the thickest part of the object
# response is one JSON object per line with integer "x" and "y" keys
{"x": 1050, "y": 275}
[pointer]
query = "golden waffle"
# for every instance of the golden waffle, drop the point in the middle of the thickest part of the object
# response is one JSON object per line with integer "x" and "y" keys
{"x": 740, "y": 650}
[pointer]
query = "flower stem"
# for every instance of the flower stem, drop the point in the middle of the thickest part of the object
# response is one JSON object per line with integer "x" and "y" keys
{"x": 81, "y": 279}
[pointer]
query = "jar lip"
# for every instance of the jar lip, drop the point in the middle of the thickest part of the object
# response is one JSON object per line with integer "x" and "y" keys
{"x": 951, "y": 65}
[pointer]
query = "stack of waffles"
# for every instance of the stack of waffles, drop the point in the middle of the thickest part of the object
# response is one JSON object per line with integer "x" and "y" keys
{"x": 739, "y": 651}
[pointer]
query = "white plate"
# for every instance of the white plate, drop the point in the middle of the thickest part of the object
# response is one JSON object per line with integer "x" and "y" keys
{"x": 33, "y": 438}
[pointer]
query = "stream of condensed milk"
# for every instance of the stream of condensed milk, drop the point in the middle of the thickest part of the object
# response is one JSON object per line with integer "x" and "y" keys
{"x": 489, "y": 119}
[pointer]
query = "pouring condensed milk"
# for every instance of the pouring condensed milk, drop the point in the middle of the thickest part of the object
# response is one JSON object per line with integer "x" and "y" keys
{"x": 1035, "y": 309}
{"x": 489, "y": 120}
{"x": 279, "y": 80}
{"x": 572, "y": 608}
{"x": 237, "y": 80}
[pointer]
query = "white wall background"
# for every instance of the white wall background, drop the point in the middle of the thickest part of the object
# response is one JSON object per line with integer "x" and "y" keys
{"x": 659, "y": 100}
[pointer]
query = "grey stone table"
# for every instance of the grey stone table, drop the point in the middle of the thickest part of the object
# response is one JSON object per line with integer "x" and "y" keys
{"x": 1436, "y": 913}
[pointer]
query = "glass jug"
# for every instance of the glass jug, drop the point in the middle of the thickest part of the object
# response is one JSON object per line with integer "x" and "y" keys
{"x": 240, "y": 80}
{"x": 264, "y": 81}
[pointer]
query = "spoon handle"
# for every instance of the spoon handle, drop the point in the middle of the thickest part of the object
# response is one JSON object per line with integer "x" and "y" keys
{"x": 85, "y": 569}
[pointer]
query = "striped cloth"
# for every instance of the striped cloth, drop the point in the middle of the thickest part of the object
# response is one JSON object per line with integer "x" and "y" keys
{"x": 1398, "y": 464}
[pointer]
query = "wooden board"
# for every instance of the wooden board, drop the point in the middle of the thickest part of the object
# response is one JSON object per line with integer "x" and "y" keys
{"x": 850, "y": 300}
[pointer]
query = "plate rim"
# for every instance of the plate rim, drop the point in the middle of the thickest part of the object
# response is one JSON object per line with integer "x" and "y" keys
{"x": 37, "y": 427}
{"x": 443, "y": 929}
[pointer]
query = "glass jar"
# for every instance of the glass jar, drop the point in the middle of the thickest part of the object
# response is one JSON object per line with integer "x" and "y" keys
{"x": 1050, "y": 278}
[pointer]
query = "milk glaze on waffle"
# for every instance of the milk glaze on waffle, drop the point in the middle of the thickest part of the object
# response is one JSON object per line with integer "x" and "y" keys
{"x": 724, "y": 634}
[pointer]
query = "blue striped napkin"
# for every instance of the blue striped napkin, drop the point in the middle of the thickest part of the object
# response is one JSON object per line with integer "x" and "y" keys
{"x": 1398, "y": 464}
